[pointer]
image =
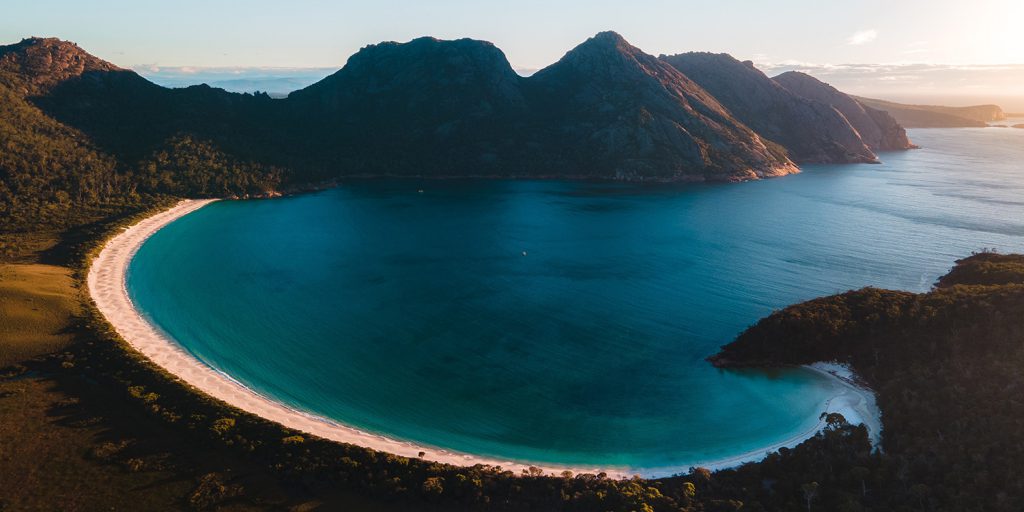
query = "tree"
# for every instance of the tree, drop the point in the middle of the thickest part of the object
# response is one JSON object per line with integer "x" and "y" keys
{"x": 921, "y": 492}
{"x": 833, "y": 420}
{"x": 433, "y": 486}
{"x": 861, "y": 473}
{"x": 810, "y": 492}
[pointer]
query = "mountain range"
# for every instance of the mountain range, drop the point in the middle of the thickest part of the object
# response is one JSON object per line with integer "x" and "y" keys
{"x": 425, "y": 108}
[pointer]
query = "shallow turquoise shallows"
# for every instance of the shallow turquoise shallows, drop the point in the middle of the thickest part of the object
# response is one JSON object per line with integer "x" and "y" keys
{"x": 564, "y": 322}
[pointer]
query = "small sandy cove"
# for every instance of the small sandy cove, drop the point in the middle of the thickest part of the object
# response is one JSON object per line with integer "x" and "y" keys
{"x": 107, "y": 287}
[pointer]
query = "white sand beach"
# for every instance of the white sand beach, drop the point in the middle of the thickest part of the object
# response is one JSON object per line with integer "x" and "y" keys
{"x": 106, "y": 282}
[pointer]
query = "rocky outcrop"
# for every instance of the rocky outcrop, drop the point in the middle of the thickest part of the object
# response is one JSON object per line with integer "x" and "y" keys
{"x": 36, "y": 65}
{"x": 879, "y": 130}
{"x": 811, "y": 131}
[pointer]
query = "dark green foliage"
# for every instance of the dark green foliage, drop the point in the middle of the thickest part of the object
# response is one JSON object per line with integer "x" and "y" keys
{"x": 54, "y": 177}
{"x": 46, "y": 168}
{"x": 985, "y": 268}
{"x": 81, "y": 139}
{"x": 946, "y": 369}
{"x": 190, "y": 168}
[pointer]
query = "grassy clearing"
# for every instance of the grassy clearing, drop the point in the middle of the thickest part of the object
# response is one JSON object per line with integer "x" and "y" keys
{"x": 69, "y": 443}
{"x": 38, "y": 304}
{"x": 58, "y": 456}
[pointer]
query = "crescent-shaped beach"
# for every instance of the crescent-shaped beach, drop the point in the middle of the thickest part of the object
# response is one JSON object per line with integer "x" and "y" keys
{"x": 106, "y": 284}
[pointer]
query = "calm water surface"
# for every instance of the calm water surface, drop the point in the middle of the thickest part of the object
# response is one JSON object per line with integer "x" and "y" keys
{"x": 564, "y": 322}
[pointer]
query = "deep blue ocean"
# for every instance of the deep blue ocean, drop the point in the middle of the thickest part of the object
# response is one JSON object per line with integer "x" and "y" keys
{"x": 559, "y": 321}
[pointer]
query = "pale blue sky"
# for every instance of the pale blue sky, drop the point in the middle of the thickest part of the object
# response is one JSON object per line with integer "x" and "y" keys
{"x": 533, "y": 33}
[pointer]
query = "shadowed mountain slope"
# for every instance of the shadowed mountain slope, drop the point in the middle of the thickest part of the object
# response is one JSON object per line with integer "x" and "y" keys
{"x": 426, "y": 107}
{"x": 878, "y": 129}
{"x": 811, "y": 131}
{"x": 630, "y": 113}
{"x": 457, "y": 108}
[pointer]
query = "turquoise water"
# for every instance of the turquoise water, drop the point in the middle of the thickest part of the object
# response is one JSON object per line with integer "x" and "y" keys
{"x": 563, "y": 322}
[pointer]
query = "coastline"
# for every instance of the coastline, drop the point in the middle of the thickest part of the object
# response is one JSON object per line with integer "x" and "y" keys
{"x": 106, "y": 285}
{"x": 857, "y": 404}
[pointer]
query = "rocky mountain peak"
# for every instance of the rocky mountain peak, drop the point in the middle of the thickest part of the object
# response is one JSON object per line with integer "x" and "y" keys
{"x": 42, "y": 63}
{"x": 428, "y": 68}
{"x": 465, "y": 52}
{"x": 607, "y": 53}
{"x": 610, "y": 38}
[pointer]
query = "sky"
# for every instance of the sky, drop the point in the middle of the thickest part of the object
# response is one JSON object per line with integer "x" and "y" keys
{"x": 933, "y": 44}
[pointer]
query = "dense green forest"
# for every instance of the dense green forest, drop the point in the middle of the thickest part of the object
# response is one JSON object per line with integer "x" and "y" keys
{"x": 946, "y": 368}
{"x": 81, "y": 140}
{"x": 48, "y": 168}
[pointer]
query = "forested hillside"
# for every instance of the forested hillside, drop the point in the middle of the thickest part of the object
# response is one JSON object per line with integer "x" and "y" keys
{"x": 48, "y": 168}
{"x": 946, "y": 368}
{"x": 82, "y": 139}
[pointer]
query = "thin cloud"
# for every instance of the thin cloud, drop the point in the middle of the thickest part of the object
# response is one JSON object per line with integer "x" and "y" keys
{"x": 916, "y": 48}
{"x": 862, "y": 37}
{"x": 912, "y": 82}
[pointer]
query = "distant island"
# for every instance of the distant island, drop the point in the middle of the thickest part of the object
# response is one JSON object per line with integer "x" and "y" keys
{"x": 933, "y": 116}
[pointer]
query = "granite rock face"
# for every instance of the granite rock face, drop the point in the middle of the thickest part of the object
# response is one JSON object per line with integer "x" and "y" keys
{"x": 624, "y": 112}
{"x": 810, "y": 130}
{"x": 878, "y": 129}
{"x": 40, "y": 64}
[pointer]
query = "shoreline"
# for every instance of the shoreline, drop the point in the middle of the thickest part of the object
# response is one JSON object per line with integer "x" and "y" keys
{"x": 107, "y": 287}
